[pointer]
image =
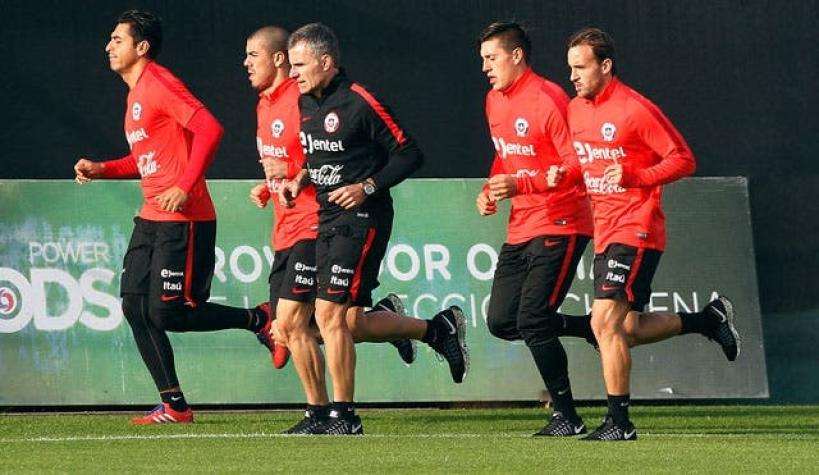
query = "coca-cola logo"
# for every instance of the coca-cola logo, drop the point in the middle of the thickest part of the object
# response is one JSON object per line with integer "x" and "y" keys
{"x": 327, "y": 175}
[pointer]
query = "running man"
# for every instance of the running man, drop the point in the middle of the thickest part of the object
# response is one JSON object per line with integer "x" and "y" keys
{"x": 169, "y": 263}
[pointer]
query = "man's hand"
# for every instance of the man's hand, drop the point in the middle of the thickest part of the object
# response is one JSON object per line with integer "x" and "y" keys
{"x": 555, "y": 175}
{"x": 260, "y": 195}
{"x": 502, "y": 187}
{"x": 288, "y": 192}
{"x": 614, "y": 173}
{"x": 85, "y": 170}
{"x": 274, "y": 168}
{"x": 172, "y": 199}
{"x": 486, "y": 206}
{"x": 349, "y": 196}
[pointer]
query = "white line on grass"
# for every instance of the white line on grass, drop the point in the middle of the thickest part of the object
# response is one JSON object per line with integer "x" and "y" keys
{"x": 264, "y": 435}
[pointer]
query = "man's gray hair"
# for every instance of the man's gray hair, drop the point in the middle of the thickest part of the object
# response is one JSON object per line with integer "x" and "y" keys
{"x": 319, "y": 39}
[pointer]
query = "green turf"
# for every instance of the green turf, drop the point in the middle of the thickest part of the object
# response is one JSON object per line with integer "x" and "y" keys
{"x": 726, "y": 439}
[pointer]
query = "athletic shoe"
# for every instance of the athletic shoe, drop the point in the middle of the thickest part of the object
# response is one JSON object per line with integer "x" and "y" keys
{"x": 311, "y": 424}
{"x": 341, "y": 426}
{"x": 450, "y": 341}
{"x": 164, "y": 414}
{"x": 407, "y": 348}
{"x": 560, "y": 426}
{"x": 279, "y": 354}
{"x": 724, "y": 331}
{"x": 609, "y": 431}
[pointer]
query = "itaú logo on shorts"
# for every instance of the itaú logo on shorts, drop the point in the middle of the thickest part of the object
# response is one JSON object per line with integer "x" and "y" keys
{"x": 311, "y": 145}
{"x": 55, "y": 300}
{"x": 587, "y": 154}
{"x": 508, "y": 149}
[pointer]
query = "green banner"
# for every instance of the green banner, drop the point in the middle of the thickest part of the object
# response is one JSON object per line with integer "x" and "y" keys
{"x": 63, "y": 339}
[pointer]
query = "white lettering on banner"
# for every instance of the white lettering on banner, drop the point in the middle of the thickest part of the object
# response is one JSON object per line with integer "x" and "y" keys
{"x": 587, "y": 154}
{"x": 472, "y": 257}
{"x": 509, "y": 149}
{"x": 135, "y": 136}
{"x": 74, "y": 252}
{"x": 311, "y": 145}
{"x": 436, "y": 265}
{"x": 256, "y": 259}
{"x": 415, "y": 263}
{"x": 72, "y": 294}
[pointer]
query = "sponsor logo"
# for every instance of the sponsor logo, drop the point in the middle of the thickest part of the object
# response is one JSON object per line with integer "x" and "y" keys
{"x": 270, "y": 150}
{"x": 136, "y": 111}
{"x": 176, "y": 398}
{"x": 512, "y": 149}
{"x": 331, "y": 122}
{"x": 300, "y": 290}
{"x": 612, "y": 277}
{"x": 452, "y": 329}
{"x": 521, "y": 127}
{"x": 356, "y": 428}
{"x": 300, "y": 266}
{"x": 601, "y": 185}
{"x": 336, "y": 291}
{"x": 587, "y": 154}
{"x": 551, "y": 243}
{"x": 276, "y": 128}
{"x": 8, "y": 301}
{"x": 608, "y": 288}
{"x": 171, "y": 285}
{"x": 168, "y": 298}
{"x": 305, "y": 119}
{"x": 337, "y": 269}
{"x": 607, "y": 131}
{"x": 300, "y": 279}
{"x": 167, "y": 273}
{"x": 630, "y": 434}
{"x": 327, "y": 175}
{"x": 338, "y": 281}
{"x": 613, "y": 264}
{"x": 135, "y": 136}
{"x": 310, "y": 145}
{"x": 146, "y": 164}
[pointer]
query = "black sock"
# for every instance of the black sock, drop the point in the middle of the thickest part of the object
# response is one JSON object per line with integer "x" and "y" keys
{"x": 430, "y": 333}
{"x": 697, "y": 322}
{"x": 343, "y": 410}
{"x": 257, "y": 320}
{"x": 550, "y": 359}
{"x": 175, "y": 399}
{"x": 577, "y": 326}
{"x": 618, "y": 409}
{"x": 318, "y": 411}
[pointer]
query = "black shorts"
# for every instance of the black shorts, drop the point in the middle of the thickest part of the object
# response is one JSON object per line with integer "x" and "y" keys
{"x": 625, "y": 273}
{"x": 531, "y": 280}
{"x": 293, "y": 275}
{"x": 170, "y": 261}
{"x": 349, "y": 250}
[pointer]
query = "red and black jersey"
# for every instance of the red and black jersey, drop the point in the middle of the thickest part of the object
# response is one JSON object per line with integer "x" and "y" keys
{"x": 159, "y": 107}
{"x": 527, "y": 122}
{"x": 277, "y": 136}
{"x": 348, "y": 136}
{"x": 622, "y": 126}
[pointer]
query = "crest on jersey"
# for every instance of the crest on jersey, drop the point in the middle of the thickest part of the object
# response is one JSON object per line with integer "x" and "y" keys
{"x": 136, "y": 111}
{"x": 331, "y": 122}
{"x": 276, "y": 128}
{"x": 521, "y": 127}
{"x": 608, "y": 130}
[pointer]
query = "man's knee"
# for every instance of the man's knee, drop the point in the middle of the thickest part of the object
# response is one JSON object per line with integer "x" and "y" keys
{"x": 503, "y": 327}
{"x": 133, "y": 309}
{"x": 539, "y": 329}
{"x": 608, "y": 317}
{"x": 169, "y": 316}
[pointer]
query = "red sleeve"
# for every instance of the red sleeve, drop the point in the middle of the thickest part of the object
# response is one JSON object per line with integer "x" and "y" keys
{"x": 125, "y": 167}
{"x": 207, "y": 132}
{"x": 677, "y": 160}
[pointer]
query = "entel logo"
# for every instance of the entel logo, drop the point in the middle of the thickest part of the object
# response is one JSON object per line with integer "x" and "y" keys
{"x": 587, "y": 154}
{"x": 135, "y": 136}
{"x": 270, "y": 150}
{"x": 508, "y": 149}
{"x": 311, "y": 145}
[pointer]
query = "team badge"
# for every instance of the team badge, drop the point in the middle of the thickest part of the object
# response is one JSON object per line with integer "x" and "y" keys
{"x": 276, "y": 128}
{"x": 331, "y": 122}
{"x": 136, "y": 111}
{"x": 608, "y": 130}
{"x": 521, "y": 127}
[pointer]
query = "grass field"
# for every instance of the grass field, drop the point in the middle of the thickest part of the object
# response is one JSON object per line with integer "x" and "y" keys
{"x": 727, "y": 439}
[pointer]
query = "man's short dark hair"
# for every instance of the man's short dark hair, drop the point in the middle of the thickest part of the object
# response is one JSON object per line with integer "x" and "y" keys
{"x": 144, "y": 26}
{"x": 275, "y": 38}
{"x": 601, "y": 43}
{"x": 319, "y": 39}
{"x": 511, "y": 34}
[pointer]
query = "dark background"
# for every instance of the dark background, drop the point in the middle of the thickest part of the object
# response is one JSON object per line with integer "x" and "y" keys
{"x": 738, "y": 78}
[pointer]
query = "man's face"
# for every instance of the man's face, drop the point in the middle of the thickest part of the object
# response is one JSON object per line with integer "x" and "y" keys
{"x": 588, "y": 75}
{"x": 312, "y": 74}
{"x": 122, "y": 50}
{"x": 261, "y": 69}
{"x": 502, "y": 67}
